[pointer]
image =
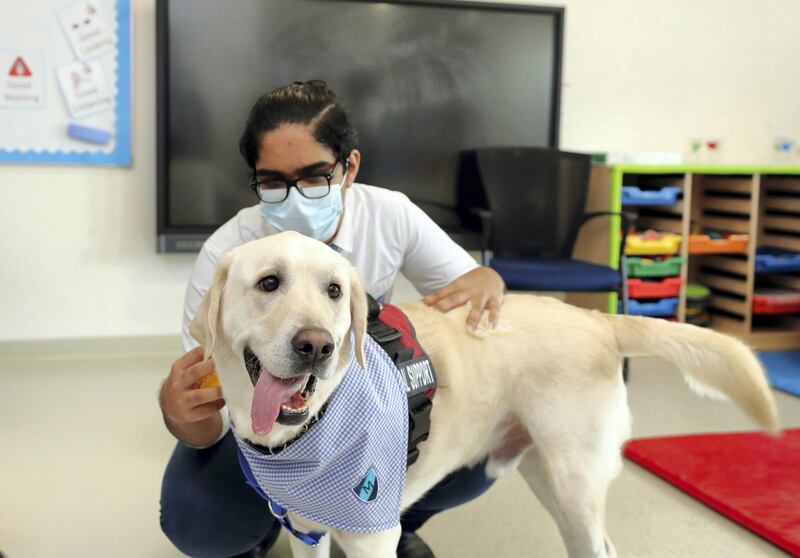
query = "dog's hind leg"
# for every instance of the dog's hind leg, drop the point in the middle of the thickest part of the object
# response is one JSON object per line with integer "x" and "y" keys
{"x": 575, "y": 455}
{"x": 578, "y": 517}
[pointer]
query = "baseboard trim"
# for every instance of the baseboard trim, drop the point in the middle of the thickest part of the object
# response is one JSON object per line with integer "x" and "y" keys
{"x": 90, "y": 346}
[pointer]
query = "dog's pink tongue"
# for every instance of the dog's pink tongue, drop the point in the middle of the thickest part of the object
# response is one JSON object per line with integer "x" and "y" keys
{"x": 270, "y": 393}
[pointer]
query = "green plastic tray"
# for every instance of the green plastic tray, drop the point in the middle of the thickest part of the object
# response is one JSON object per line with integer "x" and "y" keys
{"x": 644, "y": 267}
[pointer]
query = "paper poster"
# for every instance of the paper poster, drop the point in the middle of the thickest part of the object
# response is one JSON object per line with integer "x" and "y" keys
{"x": 65, "y": 81}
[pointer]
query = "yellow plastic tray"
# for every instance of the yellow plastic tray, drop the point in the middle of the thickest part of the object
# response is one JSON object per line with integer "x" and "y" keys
{"x": 666, "y": 245}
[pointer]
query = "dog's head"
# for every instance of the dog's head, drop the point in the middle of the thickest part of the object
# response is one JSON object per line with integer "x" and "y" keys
{"x": 278, "y": 320}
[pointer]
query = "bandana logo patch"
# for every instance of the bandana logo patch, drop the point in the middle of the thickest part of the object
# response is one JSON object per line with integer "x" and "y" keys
{"x": 367, "y": 488}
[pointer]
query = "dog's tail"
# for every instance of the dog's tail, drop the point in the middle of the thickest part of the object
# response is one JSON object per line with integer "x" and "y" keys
{"x": 712, "y": 363}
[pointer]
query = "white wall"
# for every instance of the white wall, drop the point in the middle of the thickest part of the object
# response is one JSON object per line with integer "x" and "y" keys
{"x": 652, "y": 74}
{"x": 78, "y": 244}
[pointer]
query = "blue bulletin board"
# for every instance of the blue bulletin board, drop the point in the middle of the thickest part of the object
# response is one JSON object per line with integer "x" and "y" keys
{"x": 65, "y": 76}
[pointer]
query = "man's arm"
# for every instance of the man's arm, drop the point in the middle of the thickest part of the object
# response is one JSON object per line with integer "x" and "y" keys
{"x": 445, "y": 272}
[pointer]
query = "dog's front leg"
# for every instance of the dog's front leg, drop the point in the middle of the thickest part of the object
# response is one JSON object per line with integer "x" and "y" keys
{"x": 303, "y": 550}
{"x": 382, "y": 544}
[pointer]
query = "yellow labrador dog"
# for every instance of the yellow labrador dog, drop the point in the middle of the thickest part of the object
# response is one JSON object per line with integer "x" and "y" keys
{"x": 546, "y": 382}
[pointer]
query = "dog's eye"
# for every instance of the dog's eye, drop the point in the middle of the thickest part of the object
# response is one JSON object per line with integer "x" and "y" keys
{"x": 334, "y": 290}
{"x": 268, "y": 283}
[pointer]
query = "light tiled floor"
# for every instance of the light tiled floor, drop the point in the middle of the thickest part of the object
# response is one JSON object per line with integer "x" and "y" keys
{"x": 82, "y": 451}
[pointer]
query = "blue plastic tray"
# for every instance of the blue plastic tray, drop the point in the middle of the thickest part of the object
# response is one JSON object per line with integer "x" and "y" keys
{"x": 633, "y": 195}
{"x": 777, "y": 260}
{"x": 664, "y": 308}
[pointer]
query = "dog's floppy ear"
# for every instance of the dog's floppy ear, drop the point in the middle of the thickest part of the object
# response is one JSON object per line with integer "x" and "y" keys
{"x": 358, "y": 315}
{"x": 204, "y": 325}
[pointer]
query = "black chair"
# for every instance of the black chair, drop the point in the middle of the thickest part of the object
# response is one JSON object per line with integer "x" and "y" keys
{"x": 531, "y": 216}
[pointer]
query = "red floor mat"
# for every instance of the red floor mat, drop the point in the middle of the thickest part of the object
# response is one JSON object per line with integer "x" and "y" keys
{"x": 750, "y": 478}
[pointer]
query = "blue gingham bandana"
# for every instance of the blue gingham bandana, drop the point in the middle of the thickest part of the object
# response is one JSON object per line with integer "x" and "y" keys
{"x": 348, "y": 470}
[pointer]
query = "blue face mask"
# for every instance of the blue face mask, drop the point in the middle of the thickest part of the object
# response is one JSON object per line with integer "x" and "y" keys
{"x": 317, "y": 218}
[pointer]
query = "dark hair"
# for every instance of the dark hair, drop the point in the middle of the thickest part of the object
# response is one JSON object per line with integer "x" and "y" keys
{"x": 302, "y": 102}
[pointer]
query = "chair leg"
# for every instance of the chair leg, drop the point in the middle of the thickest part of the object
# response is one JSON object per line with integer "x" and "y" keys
{"x": 623, "y": 264}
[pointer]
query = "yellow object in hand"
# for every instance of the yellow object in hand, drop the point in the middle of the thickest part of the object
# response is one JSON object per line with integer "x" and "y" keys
{"x": 208, "y": 381}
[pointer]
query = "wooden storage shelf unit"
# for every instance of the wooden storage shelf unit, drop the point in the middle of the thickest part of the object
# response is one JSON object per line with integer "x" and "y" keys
{"x": 761, "y": 202}
{"x": 778, "y": 227}
{"x": 723, "y": 204}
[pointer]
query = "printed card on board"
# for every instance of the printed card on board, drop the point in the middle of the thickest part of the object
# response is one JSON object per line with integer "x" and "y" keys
{"x": 85, "y": 88}
{"x": 86, "y": 28}
{"x": 22, "y": 79}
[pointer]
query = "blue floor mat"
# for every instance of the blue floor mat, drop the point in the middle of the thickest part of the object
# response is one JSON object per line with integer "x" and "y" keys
{"x": 783, "y": 369}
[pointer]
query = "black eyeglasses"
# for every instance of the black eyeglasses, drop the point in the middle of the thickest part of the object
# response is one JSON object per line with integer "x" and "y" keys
{"x": 276, "y": 190}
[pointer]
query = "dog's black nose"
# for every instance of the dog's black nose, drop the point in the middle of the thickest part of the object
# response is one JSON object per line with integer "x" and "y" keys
{"x": 312, "y": 345}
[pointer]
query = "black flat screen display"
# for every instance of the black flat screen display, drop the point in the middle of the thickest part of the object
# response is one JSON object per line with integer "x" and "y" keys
{"x": 422, "y": 81}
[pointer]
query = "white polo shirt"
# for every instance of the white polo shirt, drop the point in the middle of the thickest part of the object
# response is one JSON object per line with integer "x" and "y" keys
{"x": 382, "y": 234}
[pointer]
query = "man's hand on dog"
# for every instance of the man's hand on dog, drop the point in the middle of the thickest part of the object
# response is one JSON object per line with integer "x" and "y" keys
{"x": 482, "y": 287}
{"x": 191, "y": 413}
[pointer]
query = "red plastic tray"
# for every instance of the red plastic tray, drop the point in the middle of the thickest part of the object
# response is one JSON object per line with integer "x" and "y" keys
{"x": 669, "y": 287}
{"x": 777, "y": 302}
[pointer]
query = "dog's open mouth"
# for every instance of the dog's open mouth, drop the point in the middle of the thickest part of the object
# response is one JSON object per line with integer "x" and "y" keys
{"x": 281, "y": 400}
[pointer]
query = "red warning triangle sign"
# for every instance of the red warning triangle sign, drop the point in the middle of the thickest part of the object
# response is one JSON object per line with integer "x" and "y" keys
{"x": 19, "y": 68}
